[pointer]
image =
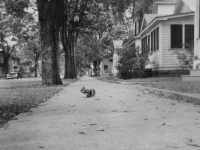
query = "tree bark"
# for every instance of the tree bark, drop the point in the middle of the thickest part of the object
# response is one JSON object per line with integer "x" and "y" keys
{"x": 50, "y": 23}
{"x": 36, "y": 65}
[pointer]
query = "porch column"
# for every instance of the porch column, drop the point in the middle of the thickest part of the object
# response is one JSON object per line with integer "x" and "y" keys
{"x": 196, "y": 61}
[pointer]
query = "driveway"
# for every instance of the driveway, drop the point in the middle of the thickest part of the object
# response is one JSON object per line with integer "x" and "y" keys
{"x": 119, "y": 117}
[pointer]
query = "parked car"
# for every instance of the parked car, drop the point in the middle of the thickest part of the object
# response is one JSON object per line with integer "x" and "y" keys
{"x": 14, "y": 75}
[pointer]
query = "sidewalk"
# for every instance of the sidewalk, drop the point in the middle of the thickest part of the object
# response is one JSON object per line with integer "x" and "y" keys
{"x": 119, "y": 117}
{"x": 194, "y": 98}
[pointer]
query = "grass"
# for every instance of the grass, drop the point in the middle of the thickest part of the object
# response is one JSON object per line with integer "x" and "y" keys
{"x": 18, "y": 98}
{"x": 167, "y": 83}
{"x": 176, "y": 85}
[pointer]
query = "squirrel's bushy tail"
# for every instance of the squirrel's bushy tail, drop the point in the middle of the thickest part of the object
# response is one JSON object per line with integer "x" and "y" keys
{"x": 93, "y": 92}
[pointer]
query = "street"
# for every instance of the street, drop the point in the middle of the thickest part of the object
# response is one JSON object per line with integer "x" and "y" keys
{"x": 119, "y": 117}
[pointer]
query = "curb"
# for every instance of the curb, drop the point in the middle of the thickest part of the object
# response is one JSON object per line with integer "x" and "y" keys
{"x": 193, "y": 98}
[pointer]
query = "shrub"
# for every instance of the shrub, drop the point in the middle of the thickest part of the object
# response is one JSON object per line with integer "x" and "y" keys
{"x": 132, "y": 64}
{"x": 185, "y": 59}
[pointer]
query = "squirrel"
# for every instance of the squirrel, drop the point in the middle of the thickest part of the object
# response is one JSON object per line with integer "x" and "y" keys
{"x": 88, "y": 92}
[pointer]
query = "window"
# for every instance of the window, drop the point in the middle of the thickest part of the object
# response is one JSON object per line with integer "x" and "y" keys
{"x": 144, "y": 45}
{"x": 152, "y": 45}
{"x": 1, "y": 59}
{"x": 157, "y": 35}
{"x": 149, "y": 43}
{"x": 155, "y": 40}
{"x": 189, "y": 35}
{"x": 180, "y": 40}
{"x": 105, "y": 67}
{"x": 137, "y": 27}
{"x": 176, "y": 36}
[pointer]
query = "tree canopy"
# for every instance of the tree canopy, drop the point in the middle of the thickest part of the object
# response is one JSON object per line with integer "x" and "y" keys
{"x": 68, "y": 21}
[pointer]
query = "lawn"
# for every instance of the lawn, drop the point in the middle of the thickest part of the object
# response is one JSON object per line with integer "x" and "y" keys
{"x": 20, "y": 96}
{"x": 167, "y": 83}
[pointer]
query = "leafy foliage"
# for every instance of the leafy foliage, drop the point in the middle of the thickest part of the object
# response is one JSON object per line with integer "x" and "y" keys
{"x": 12, "y": 13}
{"x": 132, "y": 64}
{"x": 185, "y": 58}
{"x": 16, "y": 8}
{"x": 88, "y": 50}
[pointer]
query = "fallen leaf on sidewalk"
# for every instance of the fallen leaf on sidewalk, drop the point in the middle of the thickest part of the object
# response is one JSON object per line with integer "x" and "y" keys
{"x": 172, "y": 103}
{"x": 40, "y": 146}
{"x": 100, "y": 129}
{"x": 189, "y": 140}
{"x": 114, "y": 111}
{"x": 72, "y": 105}
{"x": 197, "y": 103}
{"x": 172, "y": 146}
{"x": 81, "y": 132}
{"x": 146, "y": 92}
{"x": 163, "y": 124}
{"x": 195, "y": 145}
{"x": 54, "y": 110}
{"x": 92, "y": 124}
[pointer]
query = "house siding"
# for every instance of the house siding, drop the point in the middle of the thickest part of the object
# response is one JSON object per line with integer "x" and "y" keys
{"x": 107, "y": 62}
{"x": 166, "y": 9}
{"x": 169, "y": 58}
{"x": 155, "y": 57}
{"x": 185, "y": 9}
{"x": 198, "y": 47}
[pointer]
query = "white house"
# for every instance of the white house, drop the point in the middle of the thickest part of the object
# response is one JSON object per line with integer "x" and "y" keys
{"x": 13, "y": 63}
{"x": 167, "y": 30}
{"x": 109, "y": 63}
{"x": 117, "y": 45}
{"x": 106, "y": 64}
{"x": 195, "y": 72}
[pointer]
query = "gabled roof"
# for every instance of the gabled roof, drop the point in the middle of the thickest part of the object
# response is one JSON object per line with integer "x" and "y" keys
{"x": 148, "y": 18}
{"x": 130, "y": 41}
{"x": 184, "y": 6}
{"x": 166, "y": 2}
{"x": 161, "y": 18}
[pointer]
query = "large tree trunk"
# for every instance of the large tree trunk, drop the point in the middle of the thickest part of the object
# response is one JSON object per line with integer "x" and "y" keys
{"x": 66, "y": 40}
{"x": 68, "y": 70}
{"x": 73, "y": 60}
{"x": 49, "y": 18}
{"x": 6, "y": 65}
{"x": 36, "y": 66}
